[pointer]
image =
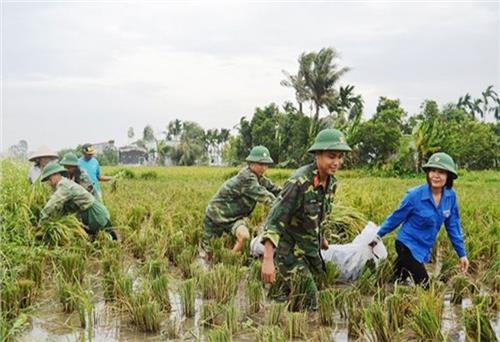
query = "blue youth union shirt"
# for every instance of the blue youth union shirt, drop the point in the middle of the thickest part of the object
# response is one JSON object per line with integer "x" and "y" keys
{"x": 421, "y": 221}
{"x": 93, "y": 169}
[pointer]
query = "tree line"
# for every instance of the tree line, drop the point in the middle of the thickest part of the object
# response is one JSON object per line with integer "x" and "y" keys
{"x": 389, "y": 141}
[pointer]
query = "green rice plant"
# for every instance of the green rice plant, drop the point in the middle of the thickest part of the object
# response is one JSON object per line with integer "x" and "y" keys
{"x": 185, "y": 259}
{"x": 116, "y": 284}
{"x": 188, "y": 296}
{"x": 219, "y": 334}
{"x": 462, "y": 286}
{"x": 384, "y": 272}
{"x": 10, "y": 298}
{"x": 9, "y": 329}
{"x": 269, "y": 333}
{"x": 208, "y": 314}
{"x": 296, "y": 325}
{"x": 377, "y": 324}
{"x": 220, "y": 283}
{"x": 302, "y": 295}
{"x": 149, "y": 175}
{"x": 328, "y": 278}
{"x": 155, "y": 268}
{"x": 68, "y": 294}
{"x": 226, "y": 256}
{"x": 136, "y": 216}
{"x": 366, "y": 283}
{"x": 275, "y": 313}
{"x": 487, "y": 301}
{"x": 477, "y": 324}
{"x": 340, "y": 301}
{"x": 425, "y": 320}
{"x": 144, "y": 311}
{"x": 61, "y": 231}
{"x": 326, "y": 306}
{"x": 32, "y": 267}
{"x": 72, "y": 266}
{"x": 355, "y": 322}
{"x": 175, "y": 244}
{"x": 255, "y": 270}
{"x": 398, "y": 306}
{"x": 213, "y": 314}
{"x": 231, "y": 317}
{"x": 253, "y": 293}
{"x": 27, "y": 292}
{"x": 159, "y": 289}
{"x": 448, "y": 268}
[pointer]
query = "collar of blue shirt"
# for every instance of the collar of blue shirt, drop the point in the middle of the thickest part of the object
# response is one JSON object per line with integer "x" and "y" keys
{"x": 427, "y": 194}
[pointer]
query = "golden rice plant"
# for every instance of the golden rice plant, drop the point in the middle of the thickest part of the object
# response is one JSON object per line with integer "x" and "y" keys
{"x": 219, "y": 334}
{"x": 296, "y": 325}
{"x": 269, "y": 333}
{"x": 254, "y": 295}
{"x": 275, "y": 313}
{"x": 326, "y": 306}
{"x": 144, "y": 311}
{"x": 188, "y": 296}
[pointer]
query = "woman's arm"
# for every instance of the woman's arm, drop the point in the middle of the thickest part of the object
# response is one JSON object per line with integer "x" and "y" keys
{"x": 454, "y": 230}
{"x": 397, "y": 217}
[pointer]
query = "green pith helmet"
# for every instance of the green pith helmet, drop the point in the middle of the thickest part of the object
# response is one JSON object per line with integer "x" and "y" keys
{"x": 260, "y": 154}
{"x": 441, "y": 161}
{"x": 51, "y": 169}
{"x": 69, "y": 159}
{"x": 330, "y": 139}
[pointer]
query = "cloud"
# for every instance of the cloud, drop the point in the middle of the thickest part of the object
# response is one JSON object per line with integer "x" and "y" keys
{"x": 77, "y": 72}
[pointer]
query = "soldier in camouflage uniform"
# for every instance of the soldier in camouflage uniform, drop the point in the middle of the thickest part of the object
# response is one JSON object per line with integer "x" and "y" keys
{"x": 71, "y": 197}
{"x": 293, "y": 234}
{"x": 77, "y": 174}
{"x": 237, "y": 198}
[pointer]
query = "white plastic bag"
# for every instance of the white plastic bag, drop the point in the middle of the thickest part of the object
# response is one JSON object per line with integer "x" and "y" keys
{"x": 349, "y": 258}
{"x": 352, "y": 257}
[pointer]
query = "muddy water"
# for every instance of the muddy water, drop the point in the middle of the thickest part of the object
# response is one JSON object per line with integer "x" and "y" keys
{"x": 49, "y": 323}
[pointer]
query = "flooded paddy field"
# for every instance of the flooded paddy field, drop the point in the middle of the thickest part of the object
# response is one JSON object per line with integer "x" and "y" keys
{"x": 152, "y": 285}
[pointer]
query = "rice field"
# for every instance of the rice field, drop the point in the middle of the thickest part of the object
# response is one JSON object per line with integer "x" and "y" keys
{"x": 57, "y": 285}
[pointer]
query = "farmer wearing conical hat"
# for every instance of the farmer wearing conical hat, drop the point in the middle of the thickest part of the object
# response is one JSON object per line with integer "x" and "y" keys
{"x": 77, "y": 174}
{"x": 70, "y": 197}
{"x": 237, "y": 198}
{"x": 40, "y": 158}
{"x": 421, "y": 213}
{"x": 90, "y": 164}
{"x": 293, "y": 233}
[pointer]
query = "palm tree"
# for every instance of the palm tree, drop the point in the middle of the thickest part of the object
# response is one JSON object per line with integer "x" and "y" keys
{"x": 298, "y": 82}
{"x": 321, "y": 76}
{"x": 488, "y": 103}
{"x": 315, "y": 80}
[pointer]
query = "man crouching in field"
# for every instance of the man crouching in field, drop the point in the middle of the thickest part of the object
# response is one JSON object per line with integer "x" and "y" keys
{"x": 71, "y": 197}
{"x": 293, "y": 226}
{"x": 236, "y": 199}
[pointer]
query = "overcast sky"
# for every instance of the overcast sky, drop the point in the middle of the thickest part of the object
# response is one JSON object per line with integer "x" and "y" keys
{"x": 76, "y": 72}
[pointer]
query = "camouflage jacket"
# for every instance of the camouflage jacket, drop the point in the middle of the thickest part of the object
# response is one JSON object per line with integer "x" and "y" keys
{"x": 85, "y": 181}
{"x": 68, "y": 197}
{"x": 238, "y": 196}
{"x": 296, "y": 216}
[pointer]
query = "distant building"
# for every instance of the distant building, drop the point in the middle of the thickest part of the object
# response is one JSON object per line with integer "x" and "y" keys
{"x": 132, "y": 155}
{"x": 101, "y": 147}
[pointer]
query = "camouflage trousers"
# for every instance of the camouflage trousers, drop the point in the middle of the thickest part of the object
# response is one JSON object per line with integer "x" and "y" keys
{"x": 213, "y": 230}
{"x": 296, "y": 278}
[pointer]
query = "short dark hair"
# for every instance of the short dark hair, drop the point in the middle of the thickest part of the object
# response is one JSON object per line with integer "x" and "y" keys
{"x": 449, "y": 179}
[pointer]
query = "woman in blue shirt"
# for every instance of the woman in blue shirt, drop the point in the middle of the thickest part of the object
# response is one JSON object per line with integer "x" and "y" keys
{"x": 422, "y": 212}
